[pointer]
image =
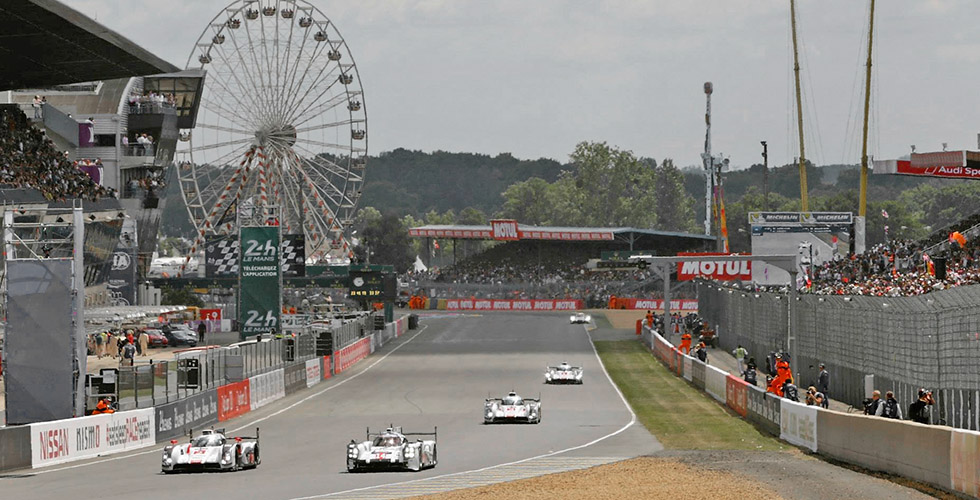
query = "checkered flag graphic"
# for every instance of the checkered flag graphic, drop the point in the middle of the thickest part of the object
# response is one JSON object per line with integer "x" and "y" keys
{"x": 293, "y": 255}
{"x": 221, "y": 256}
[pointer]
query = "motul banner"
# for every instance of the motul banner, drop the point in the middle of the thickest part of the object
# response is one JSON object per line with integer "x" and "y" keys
{"x": 655, "y": 304}
{"x": 717, "y": 269}
{"x": 512, "y": 305}
{"x": 505, "y": 230}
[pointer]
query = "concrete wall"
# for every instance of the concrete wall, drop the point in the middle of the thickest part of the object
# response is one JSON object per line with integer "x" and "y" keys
{"x": 912, "y": 450}
{"x": 15, "y": 447}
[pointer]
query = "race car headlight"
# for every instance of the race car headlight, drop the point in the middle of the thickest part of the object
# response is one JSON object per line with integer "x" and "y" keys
{"x": 409, "y": 452}
{"x": 227, "y": 458}
{"x": 578, "y": 375}
{"x": 547, "y": 375}
{"x": 352, "y": 451}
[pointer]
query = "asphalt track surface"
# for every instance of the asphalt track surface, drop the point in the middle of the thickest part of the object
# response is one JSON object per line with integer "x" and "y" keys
{"x": 438, "y": 376}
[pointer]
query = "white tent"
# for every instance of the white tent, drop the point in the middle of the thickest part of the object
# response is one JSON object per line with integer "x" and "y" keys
{"x": 419, "y": 266}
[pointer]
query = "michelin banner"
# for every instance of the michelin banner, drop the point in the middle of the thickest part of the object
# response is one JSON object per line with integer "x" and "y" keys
{"x": 84, "y": 437}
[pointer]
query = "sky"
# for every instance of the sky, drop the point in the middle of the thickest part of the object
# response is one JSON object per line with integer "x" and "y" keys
{"x": 534, "y": 78}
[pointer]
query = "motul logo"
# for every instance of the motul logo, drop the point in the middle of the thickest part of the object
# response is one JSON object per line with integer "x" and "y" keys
{"x": 719, "y": 270}
{"x": 504, "y": 229}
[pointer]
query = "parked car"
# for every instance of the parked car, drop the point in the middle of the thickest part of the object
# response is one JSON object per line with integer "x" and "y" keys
{"x": 156, "y": 338}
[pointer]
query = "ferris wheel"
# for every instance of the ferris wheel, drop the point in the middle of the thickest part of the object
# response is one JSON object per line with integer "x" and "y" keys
{"x": 281, "y": 130}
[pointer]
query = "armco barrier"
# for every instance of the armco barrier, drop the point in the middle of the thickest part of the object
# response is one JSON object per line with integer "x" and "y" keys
{"x": 346, "y": 357}
{"x": 178, "y": 418}
{"x": 798, "y": 424}
{"x": 964, "y": 457}
{"x": 921, "y": 452}
{"x": 233, "y": 400}
{"x": 266, "y": 388}
{"x": 313, "y": 372}
{"x": 75, "y": 438}
{"x": 714, "y": 382}
{"x": 295, "y": 377}
{"x": 15, "y": 447}
{"x": 737, "y": 395}
{"x": 763, "y": 409}
{"x": 509, "y": 305}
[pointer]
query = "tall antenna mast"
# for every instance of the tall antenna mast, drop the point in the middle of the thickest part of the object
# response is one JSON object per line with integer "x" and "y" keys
{"x": 708, "y": 163}
{"x": 863, "y": 204}
{"x": 804, "y": 205}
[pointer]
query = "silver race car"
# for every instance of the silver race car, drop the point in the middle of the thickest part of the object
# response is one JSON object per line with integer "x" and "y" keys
{"x": 580, "y": 318}
{"x": 563, "y": 374}
{"x": 392, "y": 449}
{"x": 212, "y": 451}
{"x": 512, "y": 408}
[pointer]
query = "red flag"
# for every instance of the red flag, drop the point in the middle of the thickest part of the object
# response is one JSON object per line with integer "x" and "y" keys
{"x": 884, "y": 213}
{"x": 435, "y": 243}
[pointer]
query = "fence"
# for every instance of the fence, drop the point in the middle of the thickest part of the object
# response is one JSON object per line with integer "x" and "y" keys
{"x": 930, "y": 341}
{"x": 197, "y": 370}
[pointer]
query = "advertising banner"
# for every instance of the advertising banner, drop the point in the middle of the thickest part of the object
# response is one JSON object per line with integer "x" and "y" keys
{"x": 737, "y": 395}
{"x": 220, "y": 256}
{"x": 688, "y": 367}
{"x": 293, "y": 255}
{"x": 294, "y": 376}
{"x": 327, "y": 368}
{"x": 178, "y": 418}
{"x": 233, "y": 400}
{"x": 763, "y": 409}
{"x": 504, "y": 230}
{"x": 259, "y": 301}
{"x": 798, "y": 424}
{"x": 655, "y": 304}
{"x": 266, "y": 388}
{"x": 716, "y": 269}
{"x": 714, "y": 382}
{"x": 366, "y": 285}
{"x": 346, "y": 357}
{"x": 512, "y": 305}
{"x": 122, "y": 277}
{"x": 76, "y": 438}
{"x": 313, "y": 372}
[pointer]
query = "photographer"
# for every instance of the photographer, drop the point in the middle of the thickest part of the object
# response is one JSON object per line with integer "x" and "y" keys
{"x": 871, "y": 405}
{"x": 919, "y": 411}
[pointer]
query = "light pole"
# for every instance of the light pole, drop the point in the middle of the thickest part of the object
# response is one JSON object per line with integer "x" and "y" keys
{"x": 765, "y": 174}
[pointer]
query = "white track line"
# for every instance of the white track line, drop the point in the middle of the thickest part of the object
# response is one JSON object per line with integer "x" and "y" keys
{"x": 307, "y": 398}
{"x": 491, "y": 467}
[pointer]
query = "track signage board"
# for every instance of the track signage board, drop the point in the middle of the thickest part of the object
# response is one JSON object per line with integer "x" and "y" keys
{"x": 260, "y": 281}
{"x": 367, "y": 285}
{"x": 715, "y": 269}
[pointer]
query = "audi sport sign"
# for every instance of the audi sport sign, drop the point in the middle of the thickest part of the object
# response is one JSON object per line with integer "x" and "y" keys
{"x": 716, "y": 269}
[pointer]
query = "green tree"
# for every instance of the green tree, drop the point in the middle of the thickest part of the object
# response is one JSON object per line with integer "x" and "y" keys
{"x": 173, "y": 296}
{"x": 387, "y": 241}
{"x": 612, "y": 188}
{"x": 529, "y": 202}
{"x": 674, "y": 206}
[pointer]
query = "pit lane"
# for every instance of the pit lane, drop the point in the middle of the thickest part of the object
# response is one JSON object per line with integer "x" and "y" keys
{"x": 437, "y": 377}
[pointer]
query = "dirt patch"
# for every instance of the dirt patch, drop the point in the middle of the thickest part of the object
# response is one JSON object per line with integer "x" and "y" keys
{"x": 644, "y": 477}
{"x": 622, "y": 318}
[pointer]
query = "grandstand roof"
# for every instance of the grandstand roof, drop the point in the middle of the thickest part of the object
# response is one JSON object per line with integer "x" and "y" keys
{"x": 47, "y": 43}
{"x": 525, "y": 232}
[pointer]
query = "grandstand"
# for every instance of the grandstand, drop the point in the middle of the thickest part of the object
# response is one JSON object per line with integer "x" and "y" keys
{"x": 89, "y": 139}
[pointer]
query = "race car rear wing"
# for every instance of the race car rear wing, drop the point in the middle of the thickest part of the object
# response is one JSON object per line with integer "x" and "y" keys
{"x": 398, "y": 429}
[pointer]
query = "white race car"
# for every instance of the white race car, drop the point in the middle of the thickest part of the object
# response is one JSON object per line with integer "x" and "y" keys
{"x": 512, "y": 408}
{"x": 392, "y": 449}
{"x": 212, "y": 451}
{"x": 580, "y": 318}
{"x": 563, "y": 374}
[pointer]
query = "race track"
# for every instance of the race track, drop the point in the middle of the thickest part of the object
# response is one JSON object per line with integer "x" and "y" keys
{"x": 438, "y": 376}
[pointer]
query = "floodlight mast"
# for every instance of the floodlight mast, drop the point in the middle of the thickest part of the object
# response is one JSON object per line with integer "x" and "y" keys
{"x": 706, "y": 158}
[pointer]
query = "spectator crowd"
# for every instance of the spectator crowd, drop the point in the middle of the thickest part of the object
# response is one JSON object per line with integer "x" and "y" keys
{"x": 28, "y": 159}
{"x": 150, "y": 102}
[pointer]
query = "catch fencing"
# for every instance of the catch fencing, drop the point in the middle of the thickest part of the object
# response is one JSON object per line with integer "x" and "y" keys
{"x": 900, "y": 344}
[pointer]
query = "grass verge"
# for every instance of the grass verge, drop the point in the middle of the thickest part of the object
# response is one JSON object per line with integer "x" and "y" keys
{"x": 679, "y": 415}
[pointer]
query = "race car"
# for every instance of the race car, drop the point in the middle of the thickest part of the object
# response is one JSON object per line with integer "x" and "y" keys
{"x": 580, "y": 318}
{"x": 563, "y": 374}
{"x": 212, "y": 451}
{"x": 512, "y": 408}
{"x": 392, "y": 449}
